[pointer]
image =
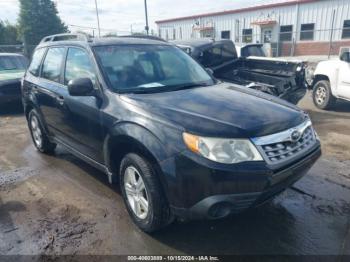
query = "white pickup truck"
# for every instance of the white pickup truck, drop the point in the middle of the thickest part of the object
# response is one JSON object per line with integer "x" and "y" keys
{"x": 332, "y": 80}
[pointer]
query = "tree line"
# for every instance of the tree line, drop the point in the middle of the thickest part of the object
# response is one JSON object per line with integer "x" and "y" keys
{"x": 37, "y": 19}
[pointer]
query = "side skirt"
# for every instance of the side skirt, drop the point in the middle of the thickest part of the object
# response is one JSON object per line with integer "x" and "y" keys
{"x": 86, "y": 159}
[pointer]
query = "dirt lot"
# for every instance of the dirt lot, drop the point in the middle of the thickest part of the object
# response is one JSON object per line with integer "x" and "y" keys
{"x": 60, "y": 205}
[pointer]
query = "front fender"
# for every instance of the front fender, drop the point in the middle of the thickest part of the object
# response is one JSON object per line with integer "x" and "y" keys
{"x": 141, "y": 135}
{"x": 327, "y": 69}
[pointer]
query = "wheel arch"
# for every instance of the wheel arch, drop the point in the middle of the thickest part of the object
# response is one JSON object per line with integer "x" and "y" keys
{"x": 318, "y": 78}
{"x": 127, "y": 138}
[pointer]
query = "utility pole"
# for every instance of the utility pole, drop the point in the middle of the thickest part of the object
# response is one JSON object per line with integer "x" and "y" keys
{"x": 331, "y": 38}
{"x": 98, "y": 20}
{"x": 146, "y": 14}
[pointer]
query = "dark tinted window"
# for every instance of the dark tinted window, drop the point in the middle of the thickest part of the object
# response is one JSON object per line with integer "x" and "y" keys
{"x": 346, "y": 29}
{"x": 34, "y": 67}
{"x": 255, "y": 50}
{"x": 286, "y": 32}
{"x": 78, "y": 65}
{"x": 217, "y": 55}
{"x": 52, "y": 64}
{"x": 226, "y": 35}
{"x": 247, "y": 35}
{"x": 307, "y": 32}
{"x": 12, "y": 63}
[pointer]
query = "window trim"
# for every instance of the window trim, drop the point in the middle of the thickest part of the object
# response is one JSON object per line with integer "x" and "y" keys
{"x": 307, "y": 31}
{"x": 285, "y": 32}
{"x": 245, "y": 35}
{"x": 96, "y": 85}
{"x": 43, "y": 61}
{"x": 345, "y": 28}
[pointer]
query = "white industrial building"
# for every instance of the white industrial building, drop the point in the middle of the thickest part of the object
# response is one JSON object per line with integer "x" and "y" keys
{"x": 295, "y": 27}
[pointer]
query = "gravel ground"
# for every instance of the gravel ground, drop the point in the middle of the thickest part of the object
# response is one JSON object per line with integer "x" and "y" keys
{"x": 53, "y": 205}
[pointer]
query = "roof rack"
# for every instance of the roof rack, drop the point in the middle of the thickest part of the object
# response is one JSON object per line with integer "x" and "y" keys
{"x": 149, "y": 37}
{"x": 65, "y": 37}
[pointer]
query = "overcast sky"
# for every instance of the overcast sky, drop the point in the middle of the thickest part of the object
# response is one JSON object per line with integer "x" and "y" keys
{"x": 120, "y": 15}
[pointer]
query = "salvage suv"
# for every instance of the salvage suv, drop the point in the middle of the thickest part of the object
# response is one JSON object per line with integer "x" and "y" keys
{"x": 180, "y": 143}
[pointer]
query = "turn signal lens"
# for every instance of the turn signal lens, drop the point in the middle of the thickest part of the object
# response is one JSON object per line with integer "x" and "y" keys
{"x": 191, "y": 142}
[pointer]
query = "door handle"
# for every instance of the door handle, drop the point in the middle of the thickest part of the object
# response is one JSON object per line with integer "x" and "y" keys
{"x": 60, "y": 100}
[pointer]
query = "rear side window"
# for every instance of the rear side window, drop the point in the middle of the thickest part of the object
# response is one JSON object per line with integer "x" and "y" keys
{"x": 34, "y": 67}
{"x": 52, "y": 64}
{"x": 78, "y": 65}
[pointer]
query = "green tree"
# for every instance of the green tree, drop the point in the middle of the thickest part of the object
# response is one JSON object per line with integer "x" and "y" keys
{"x": 8, "y": 34}
{"x": 37, "y": 19}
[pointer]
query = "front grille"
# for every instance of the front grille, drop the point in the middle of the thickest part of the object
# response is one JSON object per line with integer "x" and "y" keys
{"x": 282, "y": 148}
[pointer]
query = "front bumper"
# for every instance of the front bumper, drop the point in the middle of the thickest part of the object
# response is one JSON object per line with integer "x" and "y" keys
{"x": 10, "y": 91}
{"x": 212, "y": 193}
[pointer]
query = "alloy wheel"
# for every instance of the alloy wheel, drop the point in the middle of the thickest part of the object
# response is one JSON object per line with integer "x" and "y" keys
{"x": 136, "y": 192}
{"x": 36, "y": 131}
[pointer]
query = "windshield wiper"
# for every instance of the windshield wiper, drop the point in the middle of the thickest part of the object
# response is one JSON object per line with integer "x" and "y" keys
{"x": 188, "y": 86}
{"x": 163, "y": 88}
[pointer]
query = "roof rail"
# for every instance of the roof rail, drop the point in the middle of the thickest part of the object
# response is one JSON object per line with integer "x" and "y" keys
{"x": 149, "y": 37}
{"x": 65, "y": 37}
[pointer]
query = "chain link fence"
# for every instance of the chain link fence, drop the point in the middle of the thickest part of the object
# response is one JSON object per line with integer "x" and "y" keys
{"x": 298, "y": 43}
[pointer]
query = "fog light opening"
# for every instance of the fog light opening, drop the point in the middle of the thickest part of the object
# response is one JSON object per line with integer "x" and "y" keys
{"x": 220, "y": 210}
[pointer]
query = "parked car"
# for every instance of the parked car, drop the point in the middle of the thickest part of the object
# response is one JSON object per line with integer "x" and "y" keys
{"x": 280, "y": 78}
{"x": 181, "y": 144}
{"x": 332, "y": 80}
{"x": 12, "y": 68}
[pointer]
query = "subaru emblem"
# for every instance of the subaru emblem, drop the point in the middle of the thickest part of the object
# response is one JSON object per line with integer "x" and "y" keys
{"x": 295, "y": 136}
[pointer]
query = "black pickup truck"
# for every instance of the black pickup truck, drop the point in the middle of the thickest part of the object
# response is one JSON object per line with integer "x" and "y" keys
{"x": 280, "y": 78}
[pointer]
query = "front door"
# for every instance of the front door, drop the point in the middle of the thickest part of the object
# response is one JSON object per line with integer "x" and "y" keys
{"x": 79, "y": 116}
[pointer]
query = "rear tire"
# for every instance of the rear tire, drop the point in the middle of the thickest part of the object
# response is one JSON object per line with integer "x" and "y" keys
{"x": 39, "y": 137}
{"x": 146, "y": 204}
{"x": 322, "y": 95}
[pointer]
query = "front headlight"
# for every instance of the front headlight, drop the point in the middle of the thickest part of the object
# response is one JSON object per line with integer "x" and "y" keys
{"x": 226, "y": 151}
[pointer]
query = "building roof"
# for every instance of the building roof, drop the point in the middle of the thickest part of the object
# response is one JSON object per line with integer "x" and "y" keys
{"x": 241, "y": 10}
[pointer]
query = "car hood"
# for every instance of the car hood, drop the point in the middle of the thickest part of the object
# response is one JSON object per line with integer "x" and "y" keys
{"x": 11, "y": 75}
{"x": 224, "y": 110}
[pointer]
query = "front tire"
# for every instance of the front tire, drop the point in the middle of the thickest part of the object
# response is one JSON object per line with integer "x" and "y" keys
{"x": 39, "y": 137}
{"x": 322, "y": 95}
{"x": 143, "y": 194}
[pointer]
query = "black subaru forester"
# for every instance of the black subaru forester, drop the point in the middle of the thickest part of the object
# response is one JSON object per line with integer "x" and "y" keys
{"x": 181, "y": 144}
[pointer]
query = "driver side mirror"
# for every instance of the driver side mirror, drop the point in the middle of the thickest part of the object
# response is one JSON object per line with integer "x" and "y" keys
{"x": 81, "y": 87}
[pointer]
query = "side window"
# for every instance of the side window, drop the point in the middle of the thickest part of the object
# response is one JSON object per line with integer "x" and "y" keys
{"x": 52, "y": 64}
{"x": 36, "y": 61}
{"x": 78, "y": 65}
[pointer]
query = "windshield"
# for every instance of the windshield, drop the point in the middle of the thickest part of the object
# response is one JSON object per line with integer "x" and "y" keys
{"x": 12, "y": 63}
{"x": 145, "y": 68}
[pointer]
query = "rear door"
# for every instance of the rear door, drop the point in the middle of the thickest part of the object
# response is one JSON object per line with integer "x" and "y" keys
{"x": 42, "y": 85}
{"x": 78, "y": 117}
